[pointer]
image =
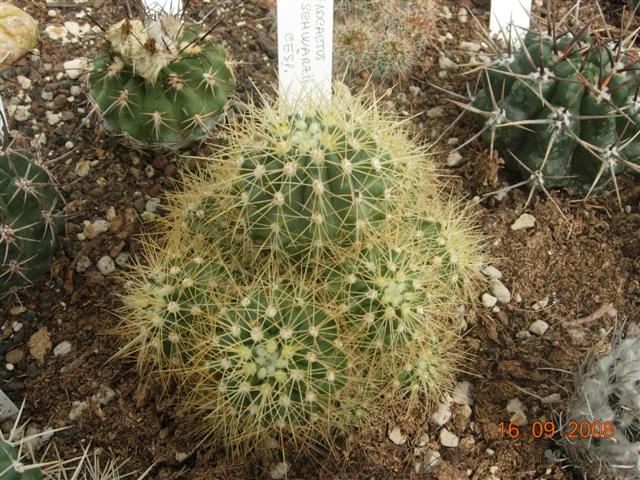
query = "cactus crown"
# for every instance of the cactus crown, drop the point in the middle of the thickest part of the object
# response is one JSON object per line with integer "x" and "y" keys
{"x": 159, "y": 82}
{"x": 29, "y": 219}
{"x": 562, "y": 109}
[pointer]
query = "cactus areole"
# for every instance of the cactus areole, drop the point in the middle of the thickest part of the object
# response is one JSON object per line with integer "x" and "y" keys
{"x": 160, "y": 83}
{"x": 29, "y": 220}
{"x": 563, "y": 111}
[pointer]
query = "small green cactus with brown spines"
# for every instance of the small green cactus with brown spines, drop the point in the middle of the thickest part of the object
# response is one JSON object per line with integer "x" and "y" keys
{"x": 159, "y": 83}
{"x": 30, "y": 219}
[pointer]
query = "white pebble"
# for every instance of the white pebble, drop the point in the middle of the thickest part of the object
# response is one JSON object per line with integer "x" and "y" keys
{"x": 69, "y": 145}
{"x": 553, "y": 398}
{"x": 524, "y": 221}
{"x": 83, "y": 168}
{"x": 488, "y": 300}
{"x": 471, "y": 46}
{"x": 540, "y": 304}
{"x": 21, "y": 113}
{"x": 519, "y": 417}
{"x": 492, "y": 272}
{"x": 75, "y": 90}
{"x": 122, "y": 260}
{"x": 435, "y": 112}
{"x": 514, "y": 405}
{"x": 442, "y": 415}
{"x": 53, "y": 118}
{"x": 397, "y": 437}
{"x": 498, "y": 290}
{"x": 539, "y": 327}
{"x": 463, "y": 15}
{"x": 448, "y": 439}
{"x": 462, "y": 394}
{"x": 77, "y": 408}
{"x": 445, "y": 62}
{"x": 454, "y": 159}
{"x": 62, "y": 348}
{"x": 24, "y": 82}
{"x": 106, "y": 265}
{"x": 76, "y": 67}
{"x": 96, "y": 228}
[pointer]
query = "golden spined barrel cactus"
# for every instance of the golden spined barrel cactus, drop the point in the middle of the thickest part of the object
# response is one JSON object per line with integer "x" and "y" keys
{"x": 159, "y": 82}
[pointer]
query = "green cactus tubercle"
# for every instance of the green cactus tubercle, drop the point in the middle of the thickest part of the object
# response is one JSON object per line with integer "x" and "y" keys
{"x": 563, "y": 112}
{"x": 159, "y": 83}
{"x": 12, "y": 469}
{"x": 29, "y": 220}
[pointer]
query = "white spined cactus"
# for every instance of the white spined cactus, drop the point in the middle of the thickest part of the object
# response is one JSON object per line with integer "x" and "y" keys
{"x": 607, "y": 394}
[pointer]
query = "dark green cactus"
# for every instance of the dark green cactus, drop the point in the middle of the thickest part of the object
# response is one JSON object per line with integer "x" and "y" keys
{"x": 160, "y": 83}
{"x": 29, "y": 219}
{"x": 12, "y": 469}
{"x": 563, "y": 111}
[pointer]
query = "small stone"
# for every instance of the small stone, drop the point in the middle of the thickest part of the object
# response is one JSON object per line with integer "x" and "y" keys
{"x": 83, "y": 168}
{"x": 17, "y": 310}
{"x": 152, "y": 205}
{"x": 69, "y": 145}
{"x": 492, "y": 272}
{"x": 422, "y": 440}
{"x": 10, "y": 367}
{"x": 442, "y": 415}
{"x": 539, "y": 327}
{"x": 19, "y": 33}
{"x": 448, "y": 439}
{"x": 83, "y": 264}
{"x": 181, "y": 456}
{"x": 498, "y": 290}
{"x": 96, "y": 228}
{"x": 280, "y": 471}
{"x": 445, "y": 62}
{"x": 553, "y": 398}
{"x": 14, "y": 356}
{"x": 463, "y": 15}
{"x": 76, "y": 67}
{"x": 465, "y": 411}
{"x": 21, "y": 113}
{"x": 397, "y": 437}
{"x": 48, "y": 96}
{"x": 522, "y": 335}
{"x": 56, "y": 32}
{"x": 446, "y": 13}
{"x": 514, "y": 405}
{"x": 104, "y": 395}
{"x": 489, "y": 300}
{"x": 540, "y": 304}
{"x": 524, "y": 221}
{"x": 53, "y": 118}
{"x": 453, "y": 141}
{"x": 462, "y": 394}
{"x": 454, "y": 159}
{"x": 435, "y": 112}
{"x": 24, "y": 82}
{"x": 106, "y": 265}
{"x": 415, "y": 91}
{"x": 471, "y": 46}
{"x": 519, "y": 417}
{"x": 77, "y": 409}
{"x": 62, "y": 349}
{"x": 432, "y": 458}
{"x": 111, "y": 214}
{"x": 122, "y": 259}
{"x": 75, "y": 90}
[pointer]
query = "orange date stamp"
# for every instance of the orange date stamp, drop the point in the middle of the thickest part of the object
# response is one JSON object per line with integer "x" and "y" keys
{"x": 538, "y": 430}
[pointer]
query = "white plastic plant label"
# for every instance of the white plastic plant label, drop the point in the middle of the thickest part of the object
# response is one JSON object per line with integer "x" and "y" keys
{"x": 305, "y": 48}
{"x": 167, "y": 6}
{"x": 7, "y": 408}
{"x": 510, "y": 18}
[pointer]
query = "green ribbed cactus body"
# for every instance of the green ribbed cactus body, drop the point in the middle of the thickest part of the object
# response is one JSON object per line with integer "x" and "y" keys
{"x": 174, "y": 297}
{"x": 562, "y": 112}
{"x": 279, "y": 364}
{"x": 12, "y": 469}
{"x": 315, "y": 183}
{"x": 29, "y": 220}
{"x": 382, "y": 289}
{"x": 159, "y": 84}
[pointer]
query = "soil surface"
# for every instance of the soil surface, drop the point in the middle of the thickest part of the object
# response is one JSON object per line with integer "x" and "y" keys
{"x": 577, "y": 268}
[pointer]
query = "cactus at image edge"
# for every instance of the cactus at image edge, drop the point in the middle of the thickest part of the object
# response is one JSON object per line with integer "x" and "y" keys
{"x": 29, "y": 219}
{"x": 563, "y": 111}
{"x": 159, "y": 82}
{"x": 608, "y": 392}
